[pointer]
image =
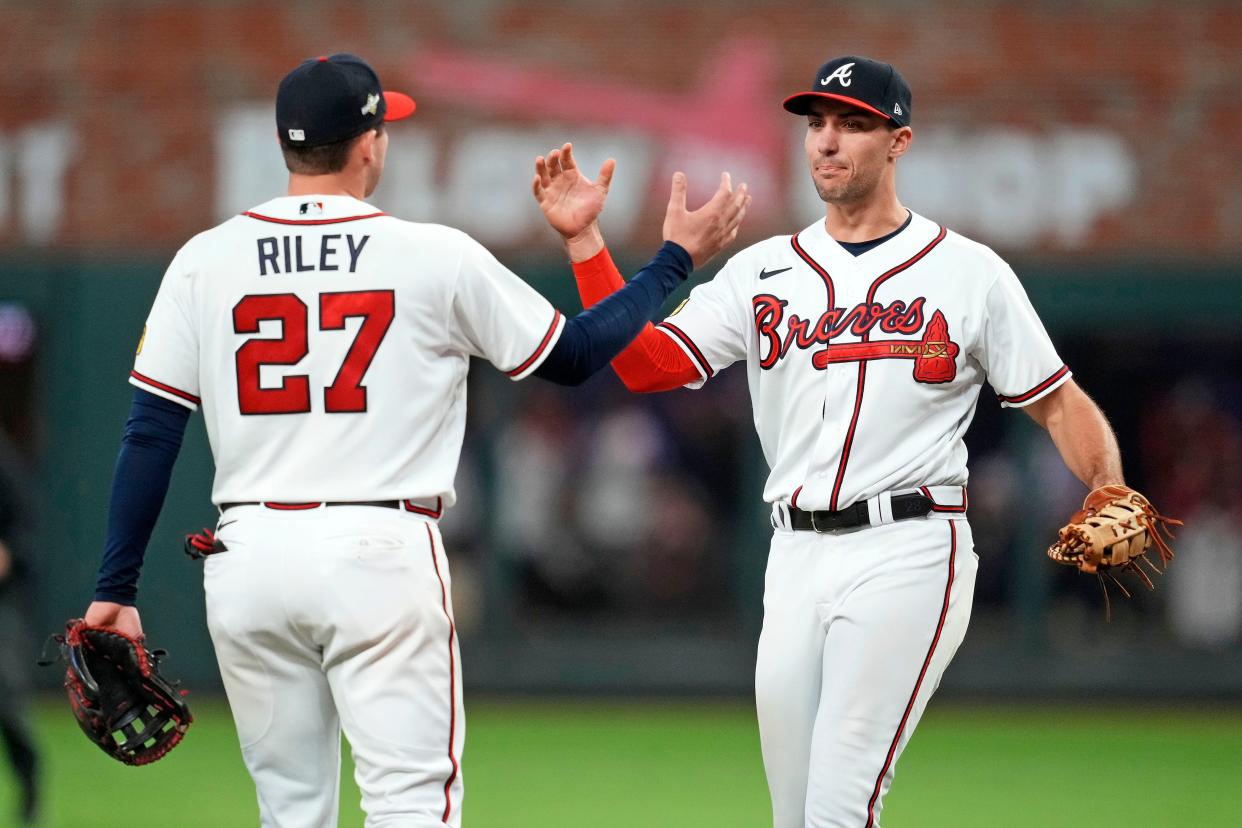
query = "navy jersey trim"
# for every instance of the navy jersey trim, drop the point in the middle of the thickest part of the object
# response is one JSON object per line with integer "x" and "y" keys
{"x": 176, "y": 392}
{"x": 685, "y": 339}
{"x": 1043, "y": 386}
{"x": 543, "y": 346}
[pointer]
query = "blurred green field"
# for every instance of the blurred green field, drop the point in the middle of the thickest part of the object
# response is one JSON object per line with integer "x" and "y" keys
{"x": 690, "y": 764}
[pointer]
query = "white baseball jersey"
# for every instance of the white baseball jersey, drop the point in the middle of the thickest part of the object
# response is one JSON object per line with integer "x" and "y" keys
{"x": 864, "y": 371}
{"x": 328, "y": 345}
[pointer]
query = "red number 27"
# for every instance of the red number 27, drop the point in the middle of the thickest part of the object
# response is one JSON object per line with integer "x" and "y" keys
{"x": 346, "y": 393}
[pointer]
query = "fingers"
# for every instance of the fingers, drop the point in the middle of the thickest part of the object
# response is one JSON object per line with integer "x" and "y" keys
{"x": 677, "y": 195}
{"x": 541, "y": 170}
{"x": 605, "y": 173}
{"x": 737, "y": 203}
{"x": 567, "y": 157}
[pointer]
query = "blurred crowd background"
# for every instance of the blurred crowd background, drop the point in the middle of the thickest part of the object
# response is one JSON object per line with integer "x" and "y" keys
{"x": 606, "y": 542}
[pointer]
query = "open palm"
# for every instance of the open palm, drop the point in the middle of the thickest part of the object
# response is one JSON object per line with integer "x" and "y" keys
{"x": 570, "y": 201}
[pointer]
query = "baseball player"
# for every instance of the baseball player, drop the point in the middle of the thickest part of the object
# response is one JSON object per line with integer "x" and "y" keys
{"x": 866, "y": 338}
{"x": 327, "y": 344}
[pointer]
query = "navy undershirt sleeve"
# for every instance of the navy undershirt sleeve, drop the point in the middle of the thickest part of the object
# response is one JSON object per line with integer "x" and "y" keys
{"x": 591, "y": 339}
{"x": 143, "y": 468}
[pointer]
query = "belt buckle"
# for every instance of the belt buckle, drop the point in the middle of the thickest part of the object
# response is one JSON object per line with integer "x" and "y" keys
{"x": 815, "y": 526}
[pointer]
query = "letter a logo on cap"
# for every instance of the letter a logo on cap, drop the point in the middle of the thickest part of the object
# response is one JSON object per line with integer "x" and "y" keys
{"x": 841, "y": 73}
{"x": 372, "y": 105}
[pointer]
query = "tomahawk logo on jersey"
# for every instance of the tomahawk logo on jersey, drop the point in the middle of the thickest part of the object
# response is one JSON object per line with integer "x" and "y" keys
{"x": 286, "y": 329}
{"x": 859, "y": 366}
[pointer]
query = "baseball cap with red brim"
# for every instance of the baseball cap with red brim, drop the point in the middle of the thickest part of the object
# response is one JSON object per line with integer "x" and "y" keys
{"x": 867, "y": 84}
{"x": 330, "y": 99}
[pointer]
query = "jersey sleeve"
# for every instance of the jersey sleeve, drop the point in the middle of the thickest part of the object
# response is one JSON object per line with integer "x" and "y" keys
{"x": 497, "y": 316}
{"x": 1020, "y": 360}
{"x": 166, "y": 363}
{"x": 710, "y": 326}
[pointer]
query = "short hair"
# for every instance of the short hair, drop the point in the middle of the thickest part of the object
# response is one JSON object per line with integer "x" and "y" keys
{"x": 320, "y": 160}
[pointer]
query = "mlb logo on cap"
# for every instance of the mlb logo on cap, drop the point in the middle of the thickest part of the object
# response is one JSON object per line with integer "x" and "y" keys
{"x": 868, "y": 84}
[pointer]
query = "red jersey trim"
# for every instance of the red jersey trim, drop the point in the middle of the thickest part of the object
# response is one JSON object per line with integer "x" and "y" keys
{"x": 936, "y": 507}
{"x": 547, "y": 337}
{"x": 290, "y": 507}
{"x": 689, "y": 343}
{"x": 434, "y": 514}
{"x": 862, "y": 366}
{"x": 817, "y": 267}
{"x": 275, "y": 220}
{"x": 177, "y": 392}
{"x": 944, "y": 612}
{"x": 1043, "y": 386}
{"x": 448, "y": 783}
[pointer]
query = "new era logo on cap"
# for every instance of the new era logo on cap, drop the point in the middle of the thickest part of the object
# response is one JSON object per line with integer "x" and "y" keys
{"x": 330, "y": 99}
{"x": 868, "y": 84}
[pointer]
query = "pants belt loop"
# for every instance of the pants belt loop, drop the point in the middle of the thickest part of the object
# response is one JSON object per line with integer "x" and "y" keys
{"x": 780, "y": 516}
{"x": 875, "y": 513}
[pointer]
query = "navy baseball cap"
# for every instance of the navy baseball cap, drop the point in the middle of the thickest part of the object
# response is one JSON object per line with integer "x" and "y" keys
{"x": 330, "y": 99}
{"x": 867, "y": 84}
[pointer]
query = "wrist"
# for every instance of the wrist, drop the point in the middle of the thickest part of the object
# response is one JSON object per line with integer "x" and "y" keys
{"x": 680, "y": 255}
{"x": 585, "y": 245}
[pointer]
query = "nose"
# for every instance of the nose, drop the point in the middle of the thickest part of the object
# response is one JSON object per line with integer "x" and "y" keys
{"x": 826, "y": 140}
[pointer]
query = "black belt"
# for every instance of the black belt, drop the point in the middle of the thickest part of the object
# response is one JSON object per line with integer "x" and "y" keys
{"x": 294, "y": 507}
{"x": 905, "y": 506}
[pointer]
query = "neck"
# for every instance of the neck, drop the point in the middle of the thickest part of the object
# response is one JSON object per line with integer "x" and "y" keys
{"x": 865, "y": 220}
{"x": 330, "y": 184}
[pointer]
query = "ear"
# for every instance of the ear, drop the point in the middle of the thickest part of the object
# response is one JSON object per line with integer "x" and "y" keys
{"x": 901, "y": 138}
{"x": 365, "y": 147}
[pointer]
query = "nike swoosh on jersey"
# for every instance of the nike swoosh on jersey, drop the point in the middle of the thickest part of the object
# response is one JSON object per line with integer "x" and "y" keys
{"x": 765, "y": 273}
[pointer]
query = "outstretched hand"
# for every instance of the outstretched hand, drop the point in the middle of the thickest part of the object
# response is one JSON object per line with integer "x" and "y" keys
{"x": 569, "y": 200}
{"x": 705, "y": 232}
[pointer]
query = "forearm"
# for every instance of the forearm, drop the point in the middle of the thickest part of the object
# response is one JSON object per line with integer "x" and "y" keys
{"x": 652, "y": 362}
{"x": 592, "y": 338}
{"x": 1082, "y": 435}
{"x": 144, "y": 465}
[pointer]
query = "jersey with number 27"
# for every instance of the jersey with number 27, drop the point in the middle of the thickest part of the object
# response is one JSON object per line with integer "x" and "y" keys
{"x": 328, "y": 345}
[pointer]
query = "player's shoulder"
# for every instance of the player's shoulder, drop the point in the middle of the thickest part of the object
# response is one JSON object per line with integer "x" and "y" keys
{"x": 751, "y": 261}
{"x": 971, "y": 259}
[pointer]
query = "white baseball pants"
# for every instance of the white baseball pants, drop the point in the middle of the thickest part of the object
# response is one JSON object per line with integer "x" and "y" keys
{"x": 858, "y": 628}
{"x": 340, "y": 617}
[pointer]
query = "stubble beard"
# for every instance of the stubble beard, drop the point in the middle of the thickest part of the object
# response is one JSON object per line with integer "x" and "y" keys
{"x": 858, "y": 188}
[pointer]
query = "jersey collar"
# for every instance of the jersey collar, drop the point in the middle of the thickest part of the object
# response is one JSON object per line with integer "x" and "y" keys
{"x": 837, "y": 260}
{"x": 313, "y": 209}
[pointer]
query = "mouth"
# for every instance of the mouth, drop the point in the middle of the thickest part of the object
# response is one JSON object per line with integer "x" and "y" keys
{"x": 829, "y": 169}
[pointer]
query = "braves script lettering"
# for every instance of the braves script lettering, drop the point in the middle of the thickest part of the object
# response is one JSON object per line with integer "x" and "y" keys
{"x": 897, "y": 317}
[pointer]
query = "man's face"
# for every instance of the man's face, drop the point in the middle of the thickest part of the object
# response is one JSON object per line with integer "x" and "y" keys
{"x": 848, "y": 150}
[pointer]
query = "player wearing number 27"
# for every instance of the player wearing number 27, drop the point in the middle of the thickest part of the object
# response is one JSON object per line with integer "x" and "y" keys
{"x": 327, "y": 344}
{"x": 866, "y": 338}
